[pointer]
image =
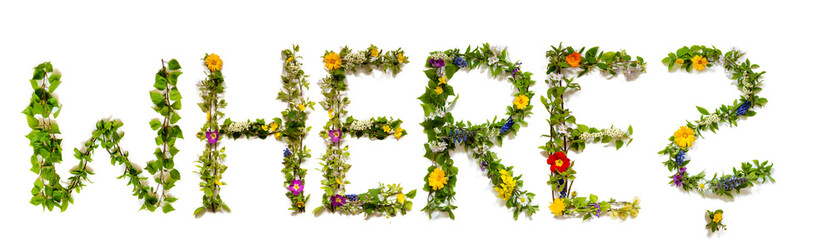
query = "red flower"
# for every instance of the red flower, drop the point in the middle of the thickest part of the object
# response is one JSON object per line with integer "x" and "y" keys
{"x": 558, "y": 162}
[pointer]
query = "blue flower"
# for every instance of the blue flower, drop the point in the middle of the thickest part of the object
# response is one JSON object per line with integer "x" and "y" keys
{"x": 680, "y": 157}
{"x": 507, "y": 125}
{"x": 460, "y": 62}
{"x": 744, "y": 108}
{"x": 517, "y": 68}
{"x": 563, "y": 193}
{"x": 352, "y": 197}
{"x": 287, "y": 153}
{"x": 731, "y": 182}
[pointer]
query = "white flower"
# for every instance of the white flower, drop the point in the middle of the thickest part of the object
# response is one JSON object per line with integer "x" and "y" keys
{"x": 555, "y": 76}
{"x": 708, "y": 120}
{"x": 239, "y": 126}
{"x": 482, "y": 149}
{"x": 492, "y": 60}
{"x": 562, "y": 129}
{"x": 436, "y": 146}
{"x": 360, "y": 125}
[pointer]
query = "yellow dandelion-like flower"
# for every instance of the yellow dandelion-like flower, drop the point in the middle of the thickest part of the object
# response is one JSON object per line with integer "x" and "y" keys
{"x": 397, "y": 133}
{"x": 264, "y": 127}
{"x": 717, "y": 217}
{"x": 273, "y": 126}
{"x": 437, "y": 179}
{"x": 330, "y": 113}
{"x": 684, "y": 137}
{"x": 699, "y": 63}
{"x": 439, "y": 90}
{"x": 557, "y": 207}
{"x": 290, "y": 59}
{"x": 443, "y": 80}
{"x": 400, "y": 57}
{"x": 386, "y": 128}
{"x": 679, "y": 61}
{"x": 521, "y": 101}
{"x": 302, "y": 107}
{"x": 400, "y": 198}
{"x": 332, "y": 61}
{"x": 213, "y": 62}
{"x": 374, "y": 52}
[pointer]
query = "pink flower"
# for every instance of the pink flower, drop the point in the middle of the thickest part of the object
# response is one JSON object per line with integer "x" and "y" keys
{"x": 296, "y": 187}
{"x": 335, "y": 135}
{"x": 212, "y": 136}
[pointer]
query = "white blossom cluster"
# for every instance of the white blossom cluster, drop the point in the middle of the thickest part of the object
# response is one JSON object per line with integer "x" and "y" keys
{"x": 441, "y": 55}
{"x": 482, "y": 149}
{"x": 293, "y": 69}
{"x": 491, "y": 132}
{"x": 612, "y": 132}
{"x": 355, "y": 58}
{"x": 436, "y": 146}
{"x": 747, "y": 88}
{"x": 709, "y": 120}
{"x": 360, "y": 125}
{"x": 497, "y": 49}
{"x": 239, "y": 126}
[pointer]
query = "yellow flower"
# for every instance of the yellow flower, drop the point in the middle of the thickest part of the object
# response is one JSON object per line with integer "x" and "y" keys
{"x": 299, "y": 204}
{"x": 338, "y": 180}
{"x": 521, "y": 101}
{"x": 680, "y": 61}
{"x": 400, "y": 198}
{"x": 386, "y": 128}
{"x": 217, "y": 182}
{"x": 439, "y": 90}
{"x": 699, "y": 62}
{"x": 264, "y": 127}
{"x": 684, "y": 137}
{"x": 273, "y": 126}
{"x": 277, "y": 136}
{"x": 505, "y": 189}
{"x": 397, "y": 133}
{"x": 374, "y": 52}
{"x": 557, "y": 207}
{"x": 290, "y": 59}
{"x": 331, "y": 113}
{"x": 400, "y": 57}
{"x": 302, "y": 107}
{"x": 213, "y": 62}
{"x": 717, "y": 217}
{"x": 332, "y": 61}
{"x": 208, "y": 116}
{"x": 443, "y": 80}
{"x": 437, "y": 179}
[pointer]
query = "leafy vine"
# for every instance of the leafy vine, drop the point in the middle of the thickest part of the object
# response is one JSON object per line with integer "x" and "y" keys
{"x": 565, "y": 134}
{"x": 48, "y": 191}
{"x": 700, "y": 57}
{"x": 386, "y": 199}
{"x": 445, "y": 135}
{"x": 211, "y": 161}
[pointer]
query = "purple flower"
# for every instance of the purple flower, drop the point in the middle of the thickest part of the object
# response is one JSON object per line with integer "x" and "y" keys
{"x": 517, "y": 68}
{"x": 460, "y": 62}
{"x": 212, "y": 136}
{"x": 337, "y": 200}
{"x": 598, "y": 209}
{"x": 678, "y": 178}
{"x": 437, "y": 63}
{"x": 296, "y": 187}
{"x": 335, "y": 135}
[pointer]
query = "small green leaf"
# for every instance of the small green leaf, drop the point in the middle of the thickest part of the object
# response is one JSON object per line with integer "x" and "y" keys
{"x": 155, "y": 124}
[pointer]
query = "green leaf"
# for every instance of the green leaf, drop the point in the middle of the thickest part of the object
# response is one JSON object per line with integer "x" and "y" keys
{"x": 703, "y": 110}
{"x": 156, "y": 97}
{"x": 175, "y": 174}
{"x": 160, "y": 83}
{"x": 155, "y": 124}
{"x": 167, "y": 208}
{"x": 173, "y": 65}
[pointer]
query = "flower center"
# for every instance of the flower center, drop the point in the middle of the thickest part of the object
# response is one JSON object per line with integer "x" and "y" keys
{"x": 558, "y": 163}
{"x": 295, "y": 187}
{"x": 213, "y": 135}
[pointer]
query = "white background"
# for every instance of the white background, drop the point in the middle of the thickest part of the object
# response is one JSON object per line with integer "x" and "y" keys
{"x": 108, "y": 53}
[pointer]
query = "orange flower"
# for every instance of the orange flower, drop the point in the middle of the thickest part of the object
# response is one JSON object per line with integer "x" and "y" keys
{"x": 574, "y": 59}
